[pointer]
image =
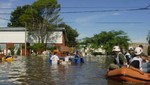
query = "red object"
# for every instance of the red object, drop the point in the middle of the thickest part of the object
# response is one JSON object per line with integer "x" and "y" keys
{"x": 23, "y": 52}
{"x": 130, "y": 74}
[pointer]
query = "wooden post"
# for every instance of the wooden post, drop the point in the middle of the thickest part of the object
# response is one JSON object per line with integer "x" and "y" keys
{"x": 25, "y": 40}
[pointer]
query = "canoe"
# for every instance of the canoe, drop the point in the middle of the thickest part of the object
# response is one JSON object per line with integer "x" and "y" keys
{"x": 9, "y": 59}
{"x": 129, "y": 74}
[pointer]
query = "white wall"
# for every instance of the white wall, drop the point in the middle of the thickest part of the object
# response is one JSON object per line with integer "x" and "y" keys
{"x": 54, "y": 37}
{"x": 19, "y": 37}
{"x": 12, "y": 37}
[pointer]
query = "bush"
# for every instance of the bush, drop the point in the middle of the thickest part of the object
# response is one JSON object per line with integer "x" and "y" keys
{"x": 12, "y": 50}
{"x": 51, "y": 48}
{"x": 37, "y": 47}
{"x": 18, "y": 51}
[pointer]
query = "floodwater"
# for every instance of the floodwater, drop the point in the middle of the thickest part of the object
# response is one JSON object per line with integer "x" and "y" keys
{"x": 37, "y": 71}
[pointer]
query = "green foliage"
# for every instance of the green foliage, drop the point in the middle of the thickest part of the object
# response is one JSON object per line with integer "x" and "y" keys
{"x": 51, "y": 48}
{"x": 148, "y": 37}
{"x": 12, "y": 50}
{"x": 15, "y": 16}
{"x": 71, "y": 35}
{"x": 106, "y": 40}
{"x": 148, "y": 51}
{"x": 37, "y": 47}
{"x": 19, "y": 51}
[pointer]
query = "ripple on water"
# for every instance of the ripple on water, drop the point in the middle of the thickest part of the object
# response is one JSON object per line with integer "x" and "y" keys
{"x": 37, "y": 71}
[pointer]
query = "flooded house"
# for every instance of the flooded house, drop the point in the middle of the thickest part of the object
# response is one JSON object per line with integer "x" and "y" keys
{"x": 20, "y": 38}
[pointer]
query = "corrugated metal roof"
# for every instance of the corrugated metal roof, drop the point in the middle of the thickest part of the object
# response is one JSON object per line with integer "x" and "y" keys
{"x": 12, "y": 29}
{"x": 23, "y": 29}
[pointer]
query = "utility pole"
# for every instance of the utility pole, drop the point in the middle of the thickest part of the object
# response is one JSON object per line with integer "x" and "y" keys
{"x": 25, "y": 39}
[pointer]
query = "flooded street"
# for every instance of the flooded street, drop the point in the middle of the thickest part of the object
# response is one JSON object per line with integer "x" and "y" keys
{"x": 37, "y": 71}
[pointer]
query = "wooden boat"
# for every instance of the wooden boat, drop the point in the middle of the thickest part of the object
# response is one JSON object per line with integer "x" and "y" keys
{"x": 129, "y": 74}
{"x": 9, "y": 59}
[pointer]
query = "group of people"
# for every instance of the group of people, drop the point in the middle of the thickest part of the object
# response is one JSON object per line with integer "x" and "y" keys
{"x": 67, "y": 59}
{"x": 133, "y": 57}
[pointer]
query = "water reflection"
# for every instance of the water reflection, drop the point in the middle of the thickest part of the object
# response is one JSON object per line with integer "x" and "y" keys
{"x": 37, "y": 71}
{"x": 12, "y": 71}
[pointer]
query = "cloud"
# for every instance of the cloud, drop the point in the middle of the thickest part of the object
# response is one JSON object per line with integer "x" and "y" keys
{"x": 88, "y": 19}
{"x": 116, "y": 13}
{"x": 83, "y": 20}
{"x": 82, "y": 36}
{"x": 5, "y": 4}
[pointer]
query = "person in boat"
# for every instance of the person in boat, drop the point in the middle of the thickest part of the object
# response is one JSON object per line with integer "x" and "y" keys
{"x": 81, "y": 58}
{"x": 77, "y": 57}
{"x": 8, "y": 53}
{"x": 139, "y": 61}
{"x": 130, "y": 54}
{"x": 72, "y": 57}
{"x": 146, "y": 66}
{"x": 143, "y": 54}
{"x": 145, "y": 57}
{"x": 55, "y": 58}
{"x": 50, "y": 55}
{"x": 66, "y": 59}
{"x": 145, "y": 61}
{"x": 118, "y": 59}
{"x": 67, "y": 56}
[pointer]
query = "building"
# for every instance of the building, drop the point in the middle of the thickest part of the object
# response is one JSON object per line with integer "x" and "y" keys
{"x": 18, "y": 36}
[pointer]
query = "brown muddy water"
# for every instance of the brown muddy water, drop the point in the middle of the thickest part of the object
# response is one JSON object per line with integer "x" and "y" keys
{"x": 37, "y": 71}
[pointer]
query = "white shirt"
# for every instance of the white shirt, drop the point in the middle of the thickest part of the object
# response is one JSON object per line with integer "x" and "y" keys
{"x": 139, "y": 59}
{"x": 8, "y": 52}
{"x": 54, "y": 59}
{"x": 67, "y": 58}
{"x": 128, "y": 54}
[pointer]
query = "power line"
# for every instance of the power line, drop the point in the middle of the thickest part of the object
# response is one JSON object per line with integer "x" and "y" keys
{"x": 138, "y": 9}
{"x": 90, "y": 11}
{"x": 94, "y": 7}
{"x": 114, "y": 10}
{"x": 147, "y": 6}
{"x": 119, "y": 22}
{"x": 79, "y": 7}
{"x": 135, "y": 9}
{"x": 93, "y": 11}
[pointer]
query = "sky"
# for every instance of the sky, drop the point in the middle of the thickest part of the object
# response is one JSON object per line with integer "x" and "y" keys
{"x": 90, "y": 17}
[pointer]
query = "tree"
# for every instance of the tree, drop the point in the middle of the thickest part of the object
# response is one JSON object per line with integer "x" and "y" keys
{"x": 106, "y": 40}
{"x": 71, "y": 33}
{"x": 15, "y": 15}
{"x": 148, "y": 39}
{"x": 40, "y": 17}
